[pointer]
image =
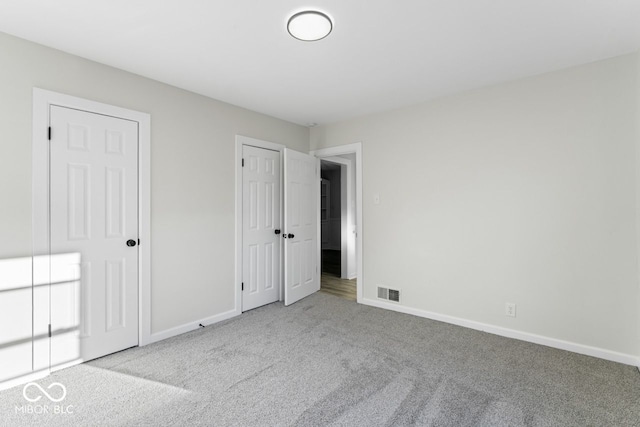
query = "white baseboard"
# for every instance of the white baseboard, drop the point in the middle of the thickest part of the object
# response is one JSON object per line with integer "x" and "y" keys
{"x": 601, "y": 353}
{"x": 34, "y": 376}
{"x": 67, "y": 365}
{"x": 188, "y": 327}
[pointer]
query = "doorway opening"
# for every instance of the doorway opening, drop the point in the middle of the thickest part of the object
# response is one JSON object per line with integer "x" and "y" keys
{"x": 337, "y": 225}
{"x": 341, "y": 220}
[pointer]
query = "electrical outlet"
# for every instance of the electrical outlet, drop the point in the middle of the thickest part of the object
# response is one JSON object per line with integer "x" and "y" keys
{"x": 510, "y": 309}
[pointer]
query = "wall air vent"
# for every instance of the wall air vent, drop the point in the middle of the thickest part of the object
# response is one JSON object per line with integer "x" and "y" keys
{"x": 389, "y": 294}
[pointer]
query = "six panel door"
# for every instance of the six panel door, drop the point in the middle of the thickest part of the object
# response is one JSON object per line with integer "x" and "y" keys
{"x": 301, "y": 192}
{"x": 94, "y": 235}
{"x": 260, "y": 227}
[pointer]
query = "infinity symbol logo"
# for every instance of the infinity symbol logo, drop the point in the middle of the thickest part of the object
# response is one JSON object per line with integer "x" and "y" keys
{"x": 43, "y": 391}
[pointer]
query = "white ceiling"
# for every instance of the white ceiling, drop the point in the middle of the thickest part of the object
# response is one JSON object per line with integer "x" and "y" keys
{"x": 381, "y": 55}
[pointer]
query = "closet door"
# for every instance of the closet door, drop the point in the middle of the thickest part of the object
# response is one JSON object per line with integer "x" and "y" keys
{"x": 94, "y": 235}
{"x": 261, "y": 238}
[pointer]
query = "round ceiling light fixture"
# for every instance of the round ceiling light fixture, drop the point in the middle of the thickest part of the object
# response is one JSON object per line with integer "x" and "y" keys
{"x": 309, "y": 25}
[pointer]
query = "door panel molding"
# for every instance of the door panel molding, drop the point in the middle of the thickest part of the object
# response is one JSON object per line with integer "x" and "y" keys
{"x": 42, "y": 101}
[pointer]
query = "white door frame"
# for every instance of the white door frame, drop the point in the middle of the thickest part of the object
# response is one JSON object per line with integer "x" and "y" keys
{"x": 240, "y": 141}
{"x": 346, "y": 211}
{"x": 42, "y": 100}
{"x": 356, "y": 149}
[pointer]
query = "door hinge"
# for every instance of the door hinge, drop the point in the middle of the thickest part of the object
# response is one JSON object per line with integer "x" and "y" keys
{"x": 49, "y": 330}
{"x": 49, "y": 133}
{"x": 243, "y": 286}
{"x": 242, "y": 162}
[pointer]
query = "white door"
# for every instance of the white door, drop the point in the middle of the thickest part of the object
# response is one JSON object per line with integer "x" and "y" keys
{"x": 94, "y": 235}
{"x": 301, "y": 192}
{"x": 260, "y": 227}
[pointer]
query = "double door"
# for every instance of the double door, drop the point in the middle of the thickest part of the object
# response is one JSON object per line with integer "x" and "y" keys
{"x": 279, "y": 226}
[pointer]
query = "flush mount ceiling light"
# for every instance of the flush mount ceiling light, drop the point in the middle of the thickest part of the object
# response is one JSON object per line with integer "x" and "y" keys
{"x": 309, "y": 25}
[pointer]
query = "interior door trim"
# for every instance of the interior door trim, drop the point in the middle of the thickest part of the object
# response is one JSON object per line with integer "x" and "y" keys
{"x": 42, "y": 101}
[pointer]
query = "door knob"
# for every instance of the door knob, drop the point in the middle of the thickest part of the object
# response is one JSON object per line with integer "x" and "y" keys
{"x": 291, "y": 236}
{"x": 131, "y": 242}
{"x": 277, "y": 231}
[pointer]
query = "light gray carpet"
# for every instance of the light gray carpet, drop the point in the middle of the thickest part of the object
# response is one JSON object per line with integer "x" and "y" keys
{"x": 328, "y": 361}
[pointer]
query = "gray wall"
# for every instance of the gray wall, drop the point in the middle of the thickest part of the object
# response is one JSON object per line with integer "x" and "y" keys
{"x": 192, "y": 160}
{"x": 523, "y": 192}
{"x": 333, "y": 175}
